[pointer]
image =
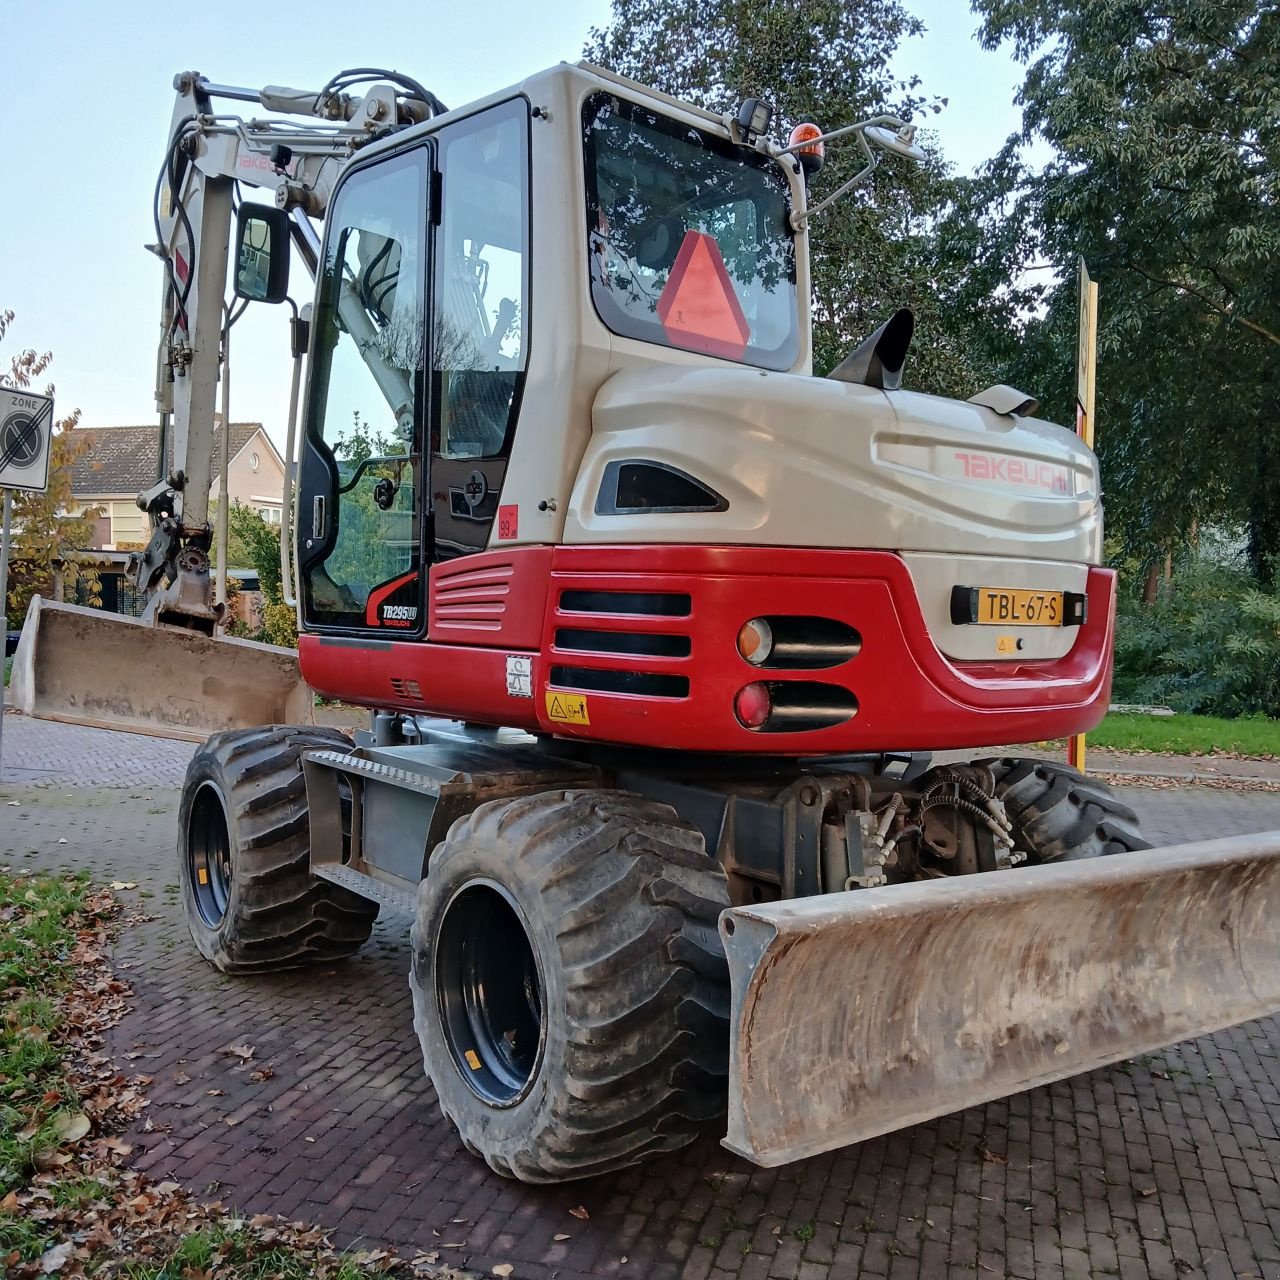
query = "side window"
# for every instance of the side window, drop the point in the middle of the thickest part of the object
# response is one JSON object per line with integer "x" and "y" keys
{"x": 360, "y": 532}
{"x": 481, "y": 281}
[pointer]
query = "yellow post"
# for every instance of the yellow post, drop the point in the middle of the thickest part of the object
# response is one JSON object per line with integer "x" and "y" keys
{"x": 1086, "y": 385}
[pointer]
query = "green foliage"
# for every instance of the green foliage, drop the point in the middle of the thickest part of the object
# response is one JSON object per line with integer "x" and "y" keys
{"x": 373, "y": 545}
{"x": 253, "y": 543}
{"x": 1163, "y": 124}
{"x": 45, "y": 539}
{"x": 259, "y": 543}
{"x": 913, "y": 236}
{"x": 1210, "y": 644}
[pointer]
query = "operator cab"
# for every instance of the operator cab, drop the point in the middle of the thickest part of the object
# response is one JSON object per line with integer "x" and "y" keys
{"x": 421, "y": 356}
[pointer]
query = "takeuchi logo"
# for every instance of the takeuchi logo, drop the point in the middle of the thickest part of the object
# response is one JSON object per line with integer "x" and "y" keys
{"x": 1037, "y": 475}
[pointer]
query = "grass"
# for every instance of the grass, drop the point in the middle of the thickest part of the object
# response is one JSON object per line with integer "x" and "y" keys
{"x": 36, "y": 1097}
{"x": 44, "y": 921}
{"x": 235, "y": 1254}
{"x": 1188, "y": 735}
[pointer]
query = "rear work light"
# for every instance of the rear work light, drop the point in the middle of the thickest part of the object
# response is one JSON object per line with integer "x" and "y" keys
{"x": 753, "y": 705}
{"x": 755, "y": 641}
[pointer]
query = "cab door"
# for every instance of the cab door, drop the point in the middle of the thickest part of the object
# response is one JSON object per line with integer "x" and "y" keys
{"x": 480, "y": 321}
{"x": 362, "y": 538}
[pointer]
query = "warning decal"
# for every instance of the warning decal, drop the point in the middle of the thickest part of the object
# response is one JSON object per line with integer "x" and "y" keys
{"x": 699, "y": 307}
{"x": 567, "y": 708}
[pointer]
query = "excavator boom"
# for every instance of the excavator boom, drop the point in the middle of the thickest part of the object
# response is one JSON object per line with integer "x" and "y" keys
{"x": 173, "y": 672}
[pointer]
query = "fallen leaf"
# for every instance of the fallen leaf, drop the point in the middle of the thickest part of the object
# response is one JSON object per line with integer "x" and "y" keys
{"x": 623, "y": 1258}
{"x": 182, "y": 1078}
{"x": 560, "y": 1235}
{"x": 1147, "y": 1191}
{"x": 262, "y": 1073}
{"x": 503, "y": 1269}
{"x": 9, "y": 1203}
{"x": 62, "y": 839}
{"x": 580, "y": 1212}
{"x": 72, "y": 1128}
{"x": 992, "y": 1157}
{"x": 242, "y": 1051}
{"x": 214, "y": 1093}
{"x": 56, "y": 1258}
{"x": 120, "y": 884}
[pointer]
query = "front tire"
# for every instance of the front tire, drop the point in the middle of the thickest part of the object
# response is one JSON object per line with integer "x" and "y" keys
{"x": 1060, "y": 814}
{"x": 570, "y": 991}
{"x": 244, "y": 856}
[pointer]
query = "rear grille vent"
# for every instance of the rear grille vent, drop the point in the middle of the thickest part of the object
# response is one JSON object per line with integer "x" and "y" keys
{"x": 633, "y": 643}
{"x": 596, "y": 680}
{"x": 652, "y": 604}
{"x": 407, "y": 689}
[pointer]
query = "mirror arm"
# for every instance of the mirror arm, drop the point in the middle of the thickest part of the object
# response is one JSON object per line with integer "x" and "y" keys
{"x": 800, "y": 218}
{"x": 374, "y": 460}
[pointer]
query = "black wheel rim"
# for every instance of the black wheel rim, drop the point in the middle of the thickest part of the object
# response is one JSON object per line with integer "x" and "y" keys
{"x": 209, "y": 854}
{"x": 490, "y": 993}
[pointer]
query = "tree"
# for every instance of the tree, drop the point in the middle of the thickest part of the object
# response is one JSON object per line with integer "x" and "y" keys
{"x": 1163, "y": 122}
{"x": 46, "y": 540}
{"x": 914, "y": 236}
{"x": 252, "y": 542}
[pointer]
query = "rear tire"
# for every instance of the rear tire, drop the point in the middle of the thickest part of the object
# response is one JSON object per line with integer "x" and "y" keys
{"x": 244, "y": 856}
{"x": 570, "y": 990}
{"x": 1060, "y": 814}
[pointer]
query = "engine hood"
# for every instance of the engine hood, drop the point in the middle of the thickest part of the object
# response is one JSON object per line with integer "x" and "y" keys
{"x": 802, "y": 461}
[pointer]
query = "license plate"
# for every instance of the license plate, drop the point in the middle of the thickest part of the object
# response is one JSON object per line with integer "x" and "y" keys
{"x": 1005, "y": 606}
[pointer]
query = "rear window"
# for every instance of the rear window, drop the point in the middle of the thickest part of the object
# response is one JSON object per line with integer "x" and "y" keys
{"x": 689, "y": 237}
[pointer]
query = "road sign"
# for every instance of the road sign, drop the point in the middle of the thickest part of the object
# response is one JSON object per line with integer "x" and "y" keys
{"x": 26, "y": 424}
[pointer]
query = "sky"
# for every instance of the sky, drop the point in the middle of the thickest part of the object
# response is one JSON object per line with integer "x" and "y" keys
{"x": 85, "y": 100}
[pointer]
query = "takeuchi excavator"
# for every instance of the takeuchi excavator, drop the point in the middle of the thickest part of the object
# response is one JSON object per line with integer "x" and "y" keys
{"x": 658, "y": 634}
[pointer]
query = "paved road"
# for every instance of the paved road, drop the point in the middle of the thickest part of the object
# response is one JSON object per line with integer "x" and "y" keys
{"x": 43, "y": 753}
{"x": 1162, "y": 1167}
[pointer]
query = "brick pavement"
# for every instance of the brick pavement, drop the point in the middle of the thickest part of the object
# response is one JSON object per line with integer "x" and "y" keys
{"x": 42, "y": 752}
{"x": 1163, "y": 1166}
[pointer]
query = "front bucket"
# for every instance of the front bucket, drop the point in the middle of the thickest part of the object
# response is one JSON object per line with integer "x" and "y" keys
{"x": 112, "y": 671}
{"x": 855, "y": 1014}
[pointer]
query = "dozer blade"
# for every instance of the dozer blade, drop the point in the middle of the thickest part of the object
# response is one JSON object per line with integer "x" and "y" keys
{"x": 112, "y": 671}
{"x": 855, "y": 1014}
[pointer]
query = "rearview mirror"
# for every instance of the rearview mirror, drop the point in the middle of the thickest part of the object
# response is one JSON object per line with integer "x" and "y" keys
{"x": 262, "y": 253}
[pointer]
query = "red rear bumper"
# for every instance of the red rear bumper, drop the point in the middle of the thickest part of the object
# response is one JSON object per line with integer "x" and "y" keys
{"x": 909, "y": 696}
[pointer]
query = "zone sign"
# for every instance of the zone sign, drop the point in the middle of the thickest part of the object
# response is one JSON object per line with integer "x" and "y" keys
{"x": 26, "y": 424}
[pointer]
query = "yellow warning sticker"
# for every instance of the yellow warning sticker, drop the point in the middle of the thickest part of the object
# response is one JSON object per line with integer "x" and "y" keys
{"x": 204, "y": 875}
{"x": 568, "y": 708}
{"x": 473, "y": 1059}
{"x": 1006, "y": 644}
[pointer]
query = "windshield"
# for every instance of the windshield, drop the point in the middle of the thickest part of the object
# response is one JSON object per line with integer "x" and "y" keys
{"x": 689, "y": 237}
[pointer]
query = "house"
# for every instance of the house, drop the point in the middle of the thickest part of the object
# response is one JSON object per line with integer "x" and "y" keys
{"x": 120, "y": 462}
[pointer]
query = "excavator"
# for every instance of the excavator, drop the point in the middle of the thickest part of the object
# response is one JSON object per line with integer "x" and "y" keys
{"x": 658, "y": 634}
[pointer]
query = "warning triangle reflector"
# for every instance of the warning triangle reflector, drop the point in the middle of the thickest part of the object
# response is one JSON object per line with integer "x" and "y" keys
{"x": 698, "y": 306}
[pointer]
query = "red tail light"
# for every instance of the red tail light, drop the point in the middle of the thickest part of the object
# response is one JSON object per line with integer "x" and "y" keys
{"x": 753, "y": 705}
